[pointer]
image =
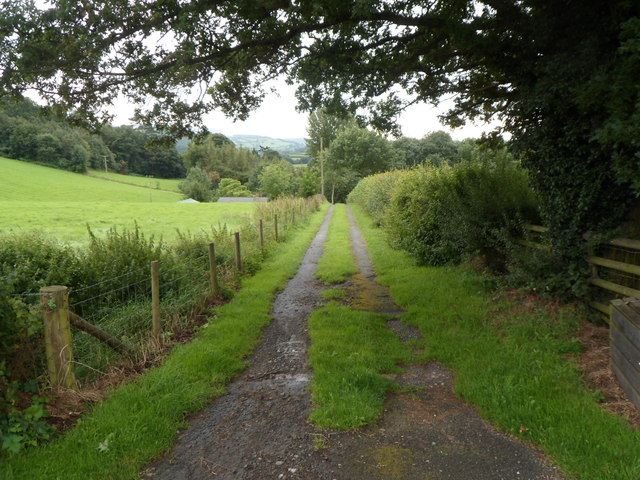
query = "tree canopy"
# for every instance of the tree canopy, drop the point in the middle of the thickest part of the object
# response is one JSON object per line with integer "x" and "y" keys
{"x": 562, "y": 76}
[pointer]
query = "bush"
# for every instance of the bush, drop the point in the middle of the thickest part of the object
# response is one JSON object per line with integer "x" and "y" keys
{"x": 230, "y": 187}
{"x": 416, "y": 216}
{"x": 445, "y": 214}
{"x": 197, "y": 185}
{"x": 373, "y": 193}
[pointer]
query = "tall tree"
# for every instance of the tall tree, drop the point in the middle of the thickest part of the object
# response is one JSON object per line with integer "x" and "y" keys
{"x": 561, "y": 75}
{"x": 322, "y": 129}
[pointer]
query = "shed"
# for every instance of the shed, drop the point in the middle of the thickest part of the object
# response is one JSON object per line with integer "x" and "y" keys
{"x": 625, "y": 345}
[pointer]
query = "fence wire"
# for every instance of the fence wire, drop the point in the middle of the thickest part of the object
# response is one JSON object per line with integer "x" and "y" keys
{"x": 121, "y": 304}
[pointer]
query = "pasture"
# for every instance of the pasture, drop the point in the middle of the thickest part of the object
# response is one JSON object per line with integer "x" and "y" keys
{"x": 61, "y": 204}
{"x": 149, "y": 182}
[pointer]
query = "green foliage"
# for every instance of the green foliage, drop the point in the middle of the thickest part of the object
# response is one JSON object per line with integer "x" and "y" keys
{"x": 229, "y": 187}
{"x": 323, "y": 128}
{"x": 20, "y": 429}
{"x": 187, "y": 380}
{"x": 360, "y": 150}
{"x": 197, "y": 185}
{"x": 133, "y": 152}
{"x": 277, "y": 180}
{"x": 444, "y": 214}
{"x": 436, "y": 148}
{"x": 338, "y": 184}
{"x": 373, "y": 193}
{"x": 221, "y": 159}
{"x": 354, "y": 153}
{"x": 309, "y": 182}
{"x": 26, "y": 133}
{"x": 563, "y": 80}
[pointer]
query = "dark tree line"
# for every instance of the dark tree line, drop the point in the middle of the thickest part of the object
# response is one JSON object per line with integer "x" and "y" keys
{"x": 27, "y": 134}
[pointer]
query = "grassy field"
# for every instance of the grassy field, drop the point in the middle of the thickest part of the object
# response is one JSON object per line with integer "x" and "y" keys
{"x": 61, "y": 204}
{"x": 22, "y": 181}
{"x": 148, "y": 182}
{"x": 67, "y": 221}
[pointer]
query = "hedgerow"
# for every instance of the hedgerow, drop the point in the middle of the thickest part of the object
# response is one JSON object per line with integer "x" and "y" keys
{"x": 373, "y": 193}
{"x": 446, "y": 214}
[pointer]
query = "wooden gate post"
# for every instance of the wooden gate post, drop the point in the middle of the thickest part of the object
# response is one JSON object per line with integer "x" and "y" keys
{"x": 238, "y": 257}
{"x": 213, "y": 270}
{"x": 57, "y": 334}
{"x": 275, "y": 225}
{"x": 155, "y": 300}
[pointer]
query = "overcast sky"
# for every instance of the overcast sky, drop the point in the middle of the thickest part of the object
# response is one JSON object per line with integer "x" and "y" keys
{"x": 278, "y": 118}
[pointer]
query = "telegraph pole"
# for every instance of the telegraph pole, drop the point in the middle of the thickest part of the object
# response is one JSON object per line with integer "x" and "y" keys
{"x": 321, "y": 168}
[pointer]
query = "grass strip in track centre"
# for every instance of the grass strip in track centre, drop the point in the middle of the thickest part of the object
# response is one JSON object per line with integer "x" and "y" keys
{"x": 519, "y": 369}
{"x": 337, "y": 262}
{"x": 349, "y": 352}
{"x": 139, "y": 421}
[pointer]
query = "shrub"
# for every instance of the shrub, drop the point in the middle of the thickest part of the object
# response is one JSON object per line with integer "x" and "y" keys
{"x": 444, "y": 214}
{"x": 416, "y": 216}
{"x": 230, "y": 187}
{"x": 197, "y": 185}
{"x": 488, "y": 201}
{"x": 373, "y": 193}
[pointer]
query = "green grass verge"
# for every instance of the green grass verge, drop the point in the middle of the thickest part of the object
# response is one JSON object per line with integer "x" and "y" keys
{"x": 171, "y": 184}
{"x": 518, "y": 369}
{"x": 350, "y": 350}
{"x": 337, "y": 262}
{"x": 139, "y": 421}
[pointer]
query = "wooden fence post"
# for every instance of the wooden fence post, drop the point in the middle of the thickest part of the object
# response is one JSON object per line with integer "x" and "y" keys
{"x": 57, "y": 334}
{"x": 275, "y": 226}
{"x": 261, "y": 238}
{"x": 238, "y": 256}
{"x": 155, "y": 299}
{"x": 213, "y": 270}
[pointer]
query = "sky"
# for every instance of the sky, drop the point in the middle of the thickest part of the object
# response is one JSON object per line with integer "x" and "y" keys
{"x": 277, "y": 118}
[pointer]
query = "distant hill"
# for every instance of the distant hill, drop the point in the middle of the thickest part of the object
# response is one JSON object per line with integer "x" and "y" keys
{"x": 284, "y": 146}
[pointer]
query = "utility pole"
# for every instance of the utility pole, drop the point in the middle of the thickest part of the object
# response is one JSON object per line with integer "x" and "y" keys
{"x": 321, "y": 168}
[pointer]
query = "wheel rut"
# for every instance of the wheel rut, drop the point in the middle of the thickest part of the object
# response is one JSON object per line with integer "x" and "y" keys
{"x": 259, "y": 428}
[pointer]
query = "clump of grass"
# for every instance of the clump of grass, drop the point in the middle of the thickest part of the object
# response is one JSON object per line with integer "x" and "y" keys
{"x": 337, "y": 262}
{"x": 333, "y": 293}
{"x": 350, "y": 351}
{"x": 139, "y": 421}
{"x": 518, "y": 369}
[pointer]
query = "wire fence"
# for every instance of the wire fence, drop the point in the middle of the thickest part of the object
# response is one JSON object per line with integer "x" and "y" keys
{"x": 120, "y": 308}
